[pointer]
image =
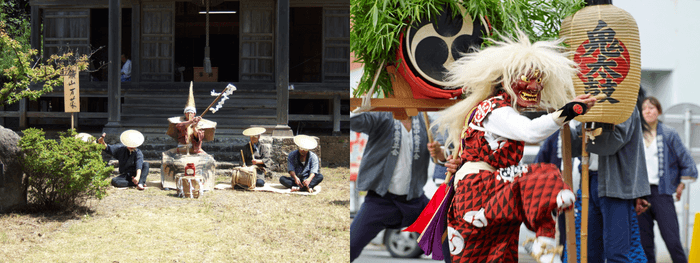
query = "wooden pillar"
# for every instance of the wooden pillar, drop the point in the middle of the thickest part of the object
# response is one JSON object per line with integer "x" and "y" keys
{"x": 35, "y": 37}
{"x": 114, "y": 55}
{"x": 135, "y": 42}
{"x": 336, "y": 115}
{"x": 282, "y": 69}
{"x": 23, "y": 114}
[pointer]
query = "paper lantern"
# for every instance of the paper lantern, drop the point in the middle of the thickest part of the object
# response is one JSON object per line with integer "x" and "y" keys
{"x": 605, "y": 42}
{"x": 427, "y": 46}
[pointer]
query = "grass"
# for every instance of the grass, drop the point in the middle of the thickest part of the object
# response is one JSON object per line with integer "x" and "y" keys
{"x": 156, "y": 226}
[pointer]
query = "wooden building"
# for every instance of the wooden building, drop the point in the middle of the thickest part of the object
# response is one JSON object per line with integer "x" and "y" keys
{"x": 289, "y": 60}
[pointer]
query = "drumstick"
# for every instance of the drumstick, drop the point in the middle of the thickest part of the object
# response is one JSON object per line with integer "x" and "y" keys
{"x": 243, "y": 159}
{"x": 252, "y": 154}
{"x": 430, "y": 133}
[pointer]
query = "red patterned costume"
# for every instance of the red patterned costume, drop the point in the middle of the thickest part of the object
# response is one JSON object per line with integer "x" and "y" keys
{"x": 195, "y": 136}
{"x": 509, "y": 195}
{"x": 492, "y": 194}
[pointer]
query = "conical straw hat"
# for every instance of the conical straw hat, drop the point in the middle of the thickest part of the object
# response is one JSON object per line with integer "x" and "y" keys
{"x": 253, "y": 131}
{"x": 190, "y": 101}
{"x": 131, "y": 138}
{"x": 305, "y": 142}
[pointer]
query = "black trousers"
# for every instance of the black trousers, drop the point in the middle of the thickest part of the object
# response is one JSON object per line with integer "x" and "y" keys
{"x": 288, "y": 182}
{"x": 124, "y": 180}
{"x": 380, "y": 212}
{"x": 664, "y": 212}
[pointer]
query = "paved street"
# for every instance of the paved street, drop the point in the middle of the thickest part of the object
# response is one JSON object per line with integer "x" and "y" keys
{"x": 377, "y": 254}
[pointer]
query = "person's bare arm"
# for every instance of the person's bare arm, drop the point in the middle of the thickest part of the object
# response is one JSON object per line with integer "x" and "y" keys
{"x": 136, "y": 178}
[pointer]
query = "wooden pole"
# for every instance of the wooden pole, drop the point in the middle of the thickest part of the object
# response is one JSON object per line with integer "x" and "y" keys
{"x": 212, "y": 103}
{"x": 252, "y": 154}
{"x": 430, "y": 133}
{"x": 72, "y": 120}
{"x": 569, "y": 214}
{"x": 584, "y": 196}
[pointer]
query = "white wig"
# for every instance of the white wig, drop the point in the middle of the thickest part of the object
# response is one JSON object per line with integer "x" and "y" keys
{"x": 480, "y": 74}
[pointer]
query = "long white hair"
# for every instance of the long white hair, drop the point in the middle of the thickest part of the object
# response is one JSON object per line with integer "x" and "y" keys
{"x": 480, "y": 74}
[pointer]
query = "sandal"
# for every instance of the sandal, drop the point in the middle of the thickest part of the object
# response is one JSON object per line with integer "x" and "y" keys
{"x": 543, "y": 249}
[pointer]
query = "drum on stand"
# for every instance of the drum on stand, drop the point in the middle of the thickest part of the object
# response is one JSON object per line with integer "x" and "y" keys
{"x": 428, "y": 47}
{"x": 244, "y": 177}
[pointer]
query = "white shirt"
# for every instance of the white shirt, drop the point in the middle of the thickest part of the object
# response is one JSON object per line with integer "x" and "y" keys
{"x": 508, "y": 123}
{"x": 401, "y": 177}
{"x": 651, "y": 154}
{"x": 126, "y": 69}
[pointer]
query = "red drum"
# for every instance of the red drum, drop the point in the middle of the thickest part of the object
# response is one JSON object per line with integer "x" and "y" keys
{"x": 427, "y": 47}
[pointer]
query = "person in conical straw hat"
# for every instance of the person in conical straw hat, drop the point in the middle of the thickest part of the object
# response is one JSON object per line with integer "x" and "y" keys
{"x": 491, "y": 188}
{"x": 133, "y": 170}
{"x": 257, "y": 154}
{"x": 303, "y": 166}
{"x": 189, "y": 130}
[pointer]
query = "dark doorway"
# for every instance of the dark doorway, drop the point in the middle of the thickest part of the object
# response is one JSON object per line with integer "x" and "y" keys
{"x": 99, "y": 37}
{"x": 190, "y": 40}
{"x": 305, "y": 44}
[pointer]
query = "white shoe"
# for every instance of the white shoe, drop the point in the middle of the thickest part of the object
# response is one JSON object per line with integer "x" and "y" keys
{"x": 544, "y": 249}
{"x": 476, "y": 218}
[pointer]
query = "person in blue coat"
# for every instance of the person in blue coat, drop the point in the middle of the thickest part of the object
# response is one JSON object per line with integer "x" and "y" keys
{"x": 393, "y": 171}
{"x": 303, "y": 166}
{"x": 667, "y": 160}
{"x": 133, "y": 170}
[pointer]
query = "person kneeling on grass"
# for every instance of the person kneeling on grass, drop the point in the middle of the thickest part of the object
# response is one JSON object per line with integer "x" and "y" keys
{"x": 302, "y": 166}
{"x": 133, "y": 170}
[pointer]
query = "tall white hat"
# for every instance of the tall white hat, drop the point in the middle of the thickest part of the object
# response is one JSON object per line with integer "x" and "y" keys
{"x": 305, "y": 142}
{"x": 189, "y": 107}
{"x": 131, "y": 138}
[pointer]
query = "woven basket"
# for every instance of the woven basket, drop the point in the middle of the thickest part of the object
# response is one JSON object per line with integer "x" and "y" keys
{"x": 605, "y": 42}
{"x": 244, "y": 177}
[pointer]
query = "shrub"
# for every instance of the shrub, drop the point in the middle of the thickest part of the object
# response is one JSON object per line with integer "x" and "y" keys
{"x": 64, "y": 173}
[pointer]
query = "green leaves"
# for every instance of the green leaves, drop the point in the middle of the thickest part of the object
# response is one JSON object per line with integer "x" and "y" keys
{"x": 63, "y": 173}
{"x": 19, "y": 68}
{"x": 376, "y": 26}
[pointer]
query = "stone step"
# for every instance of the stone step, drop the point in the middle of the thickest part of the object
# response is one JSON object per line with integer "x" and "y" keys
{"x": 227, "y": 152}
{"x": 224, "y": 121}
{"x": 224, "y": 149}
{"x": 201, "y": 101}
{"x": 227, "y": 111}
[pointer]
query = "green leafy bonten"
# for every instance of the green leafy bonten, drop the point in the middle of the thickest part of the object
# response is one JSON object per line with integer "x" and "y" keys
{"x": 377, "y": 24}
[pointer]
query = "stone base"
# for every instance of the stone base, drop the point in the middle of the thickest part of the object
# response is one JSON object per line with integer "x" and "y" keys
{"x": 282, "y": 131}
{"x": 281, "y": 147}
{"x": 173, "y": 165}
